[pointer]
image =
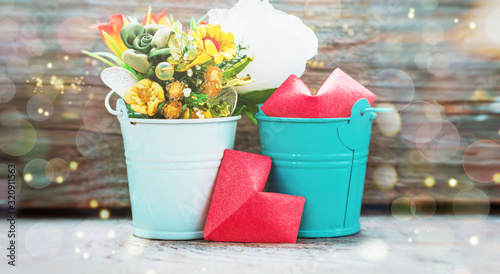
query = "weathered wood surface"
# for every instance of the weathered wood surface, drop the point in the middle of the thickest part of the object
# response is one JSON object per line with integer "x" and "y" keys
{"x": 441, "y": 244}
{"x": 443, "y": 59}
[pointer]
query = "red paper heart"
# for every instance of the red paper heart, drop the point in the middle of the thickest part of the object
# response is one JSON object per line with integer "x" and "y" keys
{"x": 241, "y": 212}
{"x": 334, "y": 99}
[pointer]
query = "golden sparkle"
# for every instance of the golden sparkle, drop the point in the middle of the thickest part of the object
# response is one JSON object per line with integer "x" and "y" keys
{"x": 28, "y": 177}
{"x": 93, "y": 204}
{"x": 104, "y": 214}
{"x": 79, "y": 234}
{"x": 429, "y": 181}
{"x": 474, "y": 240}
{"x": 496, "y": 178}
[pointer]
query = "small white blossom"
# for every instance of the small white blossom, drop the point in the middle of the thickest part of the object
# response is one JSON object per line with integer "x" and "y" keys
{"x": 189, "y": 72}
{"x": 200, "y": 115}
{"x": 187, "y": 92}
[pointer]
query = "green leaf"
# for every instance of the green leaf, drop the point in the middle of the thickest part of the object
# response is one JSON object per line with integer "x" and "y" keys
{"x": 251, "y": 116}
{"x": 111, "y": 60}
{"x": 201, "y": 19}
{"x": 256, "y": 96}
{"x": 118, "y": 61}
{"x": 236, "y": 68}
{"x": 160, "y": 106}
{"x": 192, "y": 24}
{"x": 132, "y": 113}
{"x": 99, "y": 58}
{"x": 112, "y": 43}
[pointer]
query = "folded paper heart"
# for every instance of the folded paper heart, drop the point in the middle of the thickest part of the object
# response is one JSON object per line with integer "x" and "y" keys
{"x": 241, "y": 212}
{"x": 335, "y": 98}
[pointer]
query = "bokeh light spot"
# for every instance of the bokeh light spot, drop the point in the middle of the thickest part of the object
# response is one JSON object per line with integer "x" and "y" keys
{"x": 93, "y": 204}
{"x": 79, "y": 234}
{"x": 385, "y": 177}
{"x": 401, "y": 209}
{"x": 496, "y": 178}
{"x": 7, "y": 89}
{"x": 423, "y": 206}
{"x": 73, "y": 35}
{"x": 104, "y": 214}
{"x": 135, "y": 247}
{"x": 88, "y": 143}
{"x": 394, "y": 85}
{"x": 19, "y": 136}
{"x": 452, "y": 182}
{"x": 73, "y": 165}
{"x": 474, "y": 240}
{"x": 373, "y": 249}
{"x": 111, "y": 234}
{"x": 43, "y": 240}
{"x": 36, "y": 168}
{"x": 471, "y": 204}
{"x": 57, "y": 170}
{"x": 417, "y": 114}
{"x": 491, "y": 25}
{"x": 388, "y": 123}
{"x": 481, "y": 161}
{"x": 429, "y": 181}
{"x": 38, "y": 105}
{"x": 28, "y": 177}
{"x": 443, "y": 145}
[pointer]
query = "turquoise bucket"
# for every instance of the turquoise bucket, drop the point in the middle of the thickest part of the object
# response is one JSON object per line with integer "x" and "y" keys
{"x": 324, "y": 161}
{"x": 172, "y": 166}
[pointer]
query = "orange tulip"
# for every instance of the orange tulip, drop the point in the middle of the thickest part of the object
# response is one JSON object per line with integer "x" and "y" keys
{"x": 160, "y": 19}
{"x": 110, "y": 33}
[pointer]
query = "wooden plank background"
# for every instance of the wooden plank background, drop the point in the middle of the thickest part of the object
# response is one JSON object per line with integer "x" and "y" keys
{"x": 444, "y": 46}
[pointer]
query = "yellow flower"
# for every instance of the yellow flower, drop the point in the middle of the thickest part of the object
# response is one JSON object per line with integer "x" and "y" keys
{"x": 214, "y": 44}
{"x": 145, "y": 97}
{"x": 195, "y": 114}
{"x": 175, "y": 90}
{"x": 173, "y": 110}
{"x": 212, "y": 85}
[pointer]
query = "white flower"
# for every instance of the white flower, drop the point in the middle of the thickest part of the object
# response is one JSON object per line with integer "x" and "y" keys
{"x": 280, "y": 43}
{"x": 200, "y": 114}
{"x": 187, "y": 92}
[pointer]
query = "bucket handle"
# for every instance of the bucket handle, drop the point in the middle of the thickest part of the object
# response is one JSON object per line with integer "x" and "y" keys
{"x": 379, "y": 110}
{"x": 355, "y": 135}
{"x": 108, "y": 107}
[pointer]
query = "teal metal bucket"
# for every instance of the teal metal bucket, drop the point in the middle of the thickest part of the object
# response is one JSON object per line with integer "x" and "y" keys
{"x": 172, "y": 166}
{"x": 324, "y": 161}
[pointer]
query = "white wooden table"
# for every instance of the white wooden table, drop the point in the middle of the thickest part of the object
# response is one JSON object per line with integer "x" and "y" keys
{"x": 440, "y": 244}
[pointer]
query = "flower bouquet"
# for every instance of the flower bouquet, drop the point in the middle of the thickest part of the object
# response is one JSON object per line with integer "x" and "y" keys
{"x": 172, "y": 74}
{"x": 176, "y": 85}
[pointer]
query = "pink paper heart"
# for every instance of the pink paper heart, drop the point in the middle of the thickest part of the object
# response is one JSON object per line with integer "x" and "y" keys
{"x": 241, "y": 212}
{"x": 335, "y": 98}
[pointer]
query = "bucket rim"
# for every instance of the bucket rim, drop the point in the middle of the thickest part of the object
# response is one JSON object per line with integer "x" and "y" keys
{"x": 185, "y": 121}
{"x": 260, "y": 116}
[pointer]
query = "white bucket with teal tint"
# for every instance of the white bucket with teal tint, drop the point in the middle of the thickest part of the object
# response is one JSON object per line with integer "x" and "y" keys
{"x": 172, "y": 167}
